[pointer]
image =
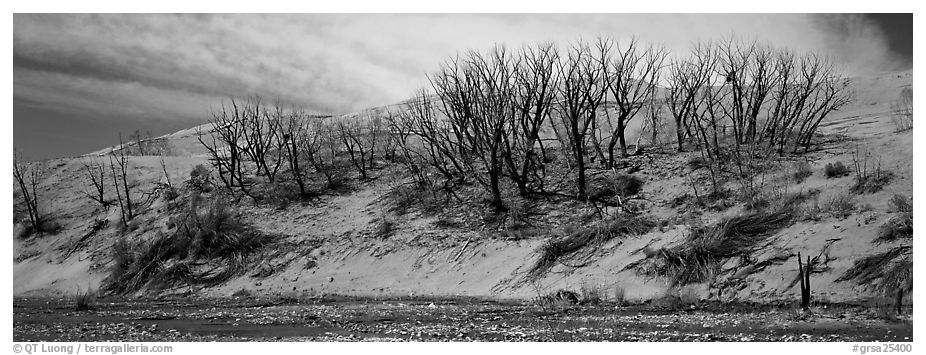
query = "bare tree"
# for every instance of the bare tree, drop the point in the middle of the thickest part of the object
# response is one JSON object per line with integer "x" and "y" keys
{"x": 322, "y": 150}
{"x": 296, "y": 142}
{"x": 534, "y": 93}
{"x": 119, "y": 167}
{"x": 358, "y": 136}
{"x": 686, "y": 80}
{"x": 224, "y": 144}
{"x": 261, "y": 135}
{"x": 476, "y": 93}
{"x": 402, "y": 132}
{"x": 632, "y": 78}
{"x": 96, "y": 171}
{"x": 27, "y": 177}
{"x": 579, "y": 97}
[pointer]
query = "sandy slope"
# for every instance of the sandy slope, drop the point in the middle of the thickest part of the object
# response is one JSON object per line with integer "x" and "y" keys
{"x": 423, "y": 260}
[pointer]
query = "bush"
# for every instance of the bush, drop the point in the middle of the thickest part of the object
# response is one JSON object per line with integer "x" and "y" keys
{"x": 44, "y": 226}
{"x": 200, "y": 179}
{"x": 872, "y": 183}
{"x": 696, "y": 163}
{"x": 619, "y": 185}
{"x": 590, "y": 295}
{"x": 209, "y": 245}
{"x": 900, "y": 203}
{"x": 802, "y": 172}
{"x": 836, "y": 170}
{"x": 898, "y": 227}
{"x": 869, "y": 177}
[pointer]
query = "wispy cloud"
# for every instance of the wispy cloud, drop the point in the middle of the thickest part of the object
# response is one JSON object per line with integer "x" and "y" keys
{"x": 178, "y": 66}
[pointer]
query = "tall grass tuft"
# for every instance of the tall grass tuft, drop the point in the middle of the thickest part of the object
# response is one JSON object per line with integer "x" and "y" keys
{"x": 623, "y": 225}
{"x": 209, "y": 245}
{"x": 697, "y": 259}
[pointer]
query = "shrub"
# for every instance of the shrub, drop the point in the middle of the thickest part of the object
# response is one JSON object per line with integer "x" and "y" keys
{"x": 200, "y": 179}
{"x": 209, "y": 245}
{"x": 802, "y": 172}
{"x": 900, "y": 203}
{"x": 872, "y": 183}
{"x": 559, "y": 299}
{"x": 898, "y": 227}
{"x": 590, "y": 295}
{"x": 696, "y": 163}
{"x": 44, "y": 226}
{"x": 619, "y": 185}
{"x": 869, "y": 177}
{"x": 836, "y": 170}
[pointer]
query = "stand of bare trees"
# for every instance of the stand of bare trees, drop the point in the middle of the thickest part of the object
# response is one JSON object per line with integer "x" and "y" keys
{"x": 632, "y": 77}
{"x": 741, "y": 103}
{"x": 491, "y": 114}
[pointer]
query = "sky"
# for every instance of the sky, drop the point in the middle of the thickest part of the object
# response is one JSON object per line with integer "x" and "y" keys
{"x": 81, "y": 79}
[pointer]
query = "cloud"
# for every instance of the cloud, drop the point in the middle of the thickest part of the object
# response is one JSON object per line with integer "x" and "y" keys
{"x": 178, "y": 66}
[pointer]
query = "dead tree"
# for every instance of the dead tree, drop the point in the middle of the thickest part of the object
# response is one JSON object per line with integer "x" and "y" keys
{"x": 534, "y": 93}
{"x": 632, "y": 77}
{"x": 296, "y": 143}
{"x": 579, "y": 97}
{"x": 476, "y": 95}
{"x": 96, "y": 171}
{"x": 687, "y": 79}
{"x": 27, "y": 178}
{"x": 119, "y": 167}
{"x": 224, "y": 144}
{"x": 358, "y": 136}
{"x": 261, "y": 135}
{"x": 322, "y": 151}
{"x": 402, "y": 131}
{"x": 804, "y": 270}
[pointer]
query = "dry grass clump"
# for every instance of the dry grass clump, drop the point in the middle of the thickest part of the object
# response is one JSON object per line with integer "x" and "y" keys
{"x": 84, "y": 300}
{"x": 697, "y": 259}
{"x": 840, "y": 205}
{"x": 617, "y": 227}
{"x": 617, "y": 185}
{"x": 208, "y": 245}
{"x": 893, "y": 270}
